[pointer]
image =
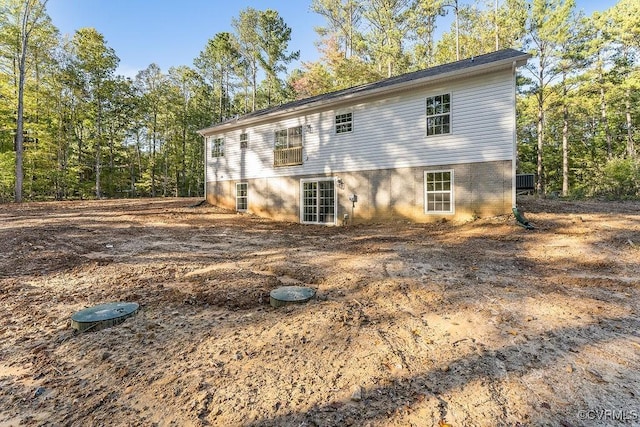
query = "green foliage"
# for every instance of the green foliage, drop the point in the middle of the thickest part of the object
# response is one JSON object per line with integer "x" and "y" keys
{"x": 619, "y": 179}
{"x": 92, "y": 133}
{"x": 274, "y": 35}
{"x": 7, "y": 177}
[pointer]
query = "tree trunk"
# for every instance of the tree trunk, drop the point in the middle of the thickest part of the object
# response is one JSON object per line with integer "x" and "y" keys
{"x": 183, "y": 161}
{"x": 22, "y": 61}
{"x": 540, "y": 128}
{"x": 631, "y": 150}
{"x": 254, "y": 71}
{"x": 110, "y": 184}
{"x": 565, "y": 149}
{"x": 99, "y": 152}
{"x": 153, "y": 156}
{"x": 221, "y": 102}
{"x": 605, "y": 120}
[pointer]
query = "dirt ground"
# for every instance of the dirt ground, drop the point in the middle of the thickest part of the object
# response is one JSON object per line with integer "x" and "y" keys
{"x": 475, "y": 324}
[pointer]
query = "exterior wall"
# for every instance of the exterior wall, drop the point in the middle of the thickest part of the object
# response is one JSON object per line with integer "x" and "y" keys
{"x": 388, "y": 133}
{"x": 384, "y": 158}
{"x": 480, "y": 189}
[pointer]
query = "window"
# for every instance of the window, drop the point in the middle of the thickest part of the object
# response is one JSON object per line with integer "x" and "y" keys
{"x": 241, "y": 196}
{"x": 318, "y": 202}
{"x": 288, "y": 138}
{"x": 438, "y": 193}
{"x": 288, "y": 147}
{"x": 244, "y": 140}
{"x": 344, "y": 122}
{"x": 217, "y": 147}
{"x": 438, "y": 114}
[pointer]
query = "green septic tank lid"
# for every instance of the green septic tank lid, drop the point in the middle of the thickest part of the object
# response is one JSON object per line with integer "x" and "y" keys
{"x": 290, "y": 295}
{"x": 103, "y": 315}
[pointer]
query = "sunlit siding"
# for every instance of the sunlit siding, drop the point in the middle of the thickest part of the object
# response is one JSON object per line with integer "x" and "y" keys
{"x": 387, "y": 133}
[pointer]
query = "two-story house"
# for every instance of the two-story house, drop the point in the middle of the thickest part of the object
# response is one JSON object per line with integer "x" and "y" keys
{"x": 431, "y": 144}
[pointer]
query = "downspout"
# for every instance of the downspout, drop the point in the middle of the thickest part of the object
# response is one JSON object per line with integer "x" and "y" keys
{"x": 515, "y": 146}
{"x": 520, "y": 219}
{"x": 205, "y": 167}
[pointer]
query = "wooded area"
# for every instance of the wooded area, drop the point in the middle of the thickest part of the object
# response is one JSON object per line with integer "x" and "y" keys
{"x": 71, "y": 127}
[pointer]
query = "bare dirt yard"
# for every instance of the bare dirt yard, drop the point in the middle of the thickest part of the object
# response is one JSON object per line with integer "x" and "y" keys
{"x": 475, "y": 324}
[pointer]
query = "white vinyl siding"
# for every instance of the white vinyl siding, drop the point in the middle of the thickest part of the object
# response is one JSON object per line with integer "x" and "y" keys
{"x": 391, "y": 133}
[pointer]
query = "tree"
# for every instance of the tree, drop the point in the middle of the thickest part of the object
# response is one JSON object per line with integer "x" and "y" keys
{"x": 150, "y": 83}
{"x": 571, "y": 61}
{"x": 21, "y": 17}
{"x": 246, "y": 27}
{"x": 221, "y": 61}
{"x": 96, "y": 63}
{"x": 343, "y": 19}
{"x": 333, "y": 72}
{"x": 390, "y": 24}
{"x": 624, "y": 29}
{"x": 274, "y": 35}
{"x": 423, "y": 16}
{"x": 510, "y": 21}
{"x": 184, "y": 86}
{"x": 547, "y": 29}
{"x": 483, "y": 28}
{"x": 118, "y": 115}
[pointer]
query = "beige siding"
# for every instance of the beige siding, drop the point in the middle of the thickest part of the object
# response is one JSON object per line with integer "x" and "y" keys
{"x": 481, "y": 189}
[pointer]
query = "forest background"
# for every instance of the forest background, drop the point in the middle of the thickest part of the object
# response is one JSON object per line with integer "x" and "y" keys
{"x": 72, "y": 128}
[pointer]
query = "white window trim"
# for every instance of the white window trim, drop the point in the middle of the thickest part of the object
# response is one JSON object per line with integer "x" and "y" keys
{"x": 426, "y": 128}
{"x": 335, "y": 125}
{"x": 246, "y": 197}
{"x": 247, "y": 141}
{"x": 452, "y": 192}
{"x": 212, "y": 145}
{"x": 335, "y": 200}
{"x": 288, "y": 142}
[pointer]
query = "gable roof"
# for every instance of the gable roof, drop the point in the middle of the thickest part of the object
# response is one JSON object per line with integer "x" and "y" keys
{"x": 476, "y": 65}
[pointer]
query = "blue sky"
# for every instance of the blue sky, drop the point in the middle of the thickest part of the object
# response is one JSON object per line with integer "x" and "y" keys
{"x": 173, "y": 32}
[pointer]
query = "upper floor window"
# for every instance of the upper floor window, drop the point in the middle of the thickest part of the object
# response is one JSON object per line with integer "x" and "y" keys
{"x": 288, "y": 147}
{"x": 439, "y": 114}
{"x": 344, "y": 122}
{"x": 217, "y": 147}
{"x": 288, "y": 138}
{"x": 244, "y": 140}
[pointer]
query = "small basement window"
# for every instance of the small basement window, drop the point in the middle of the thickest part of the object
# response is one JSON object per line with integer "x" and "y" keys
{"x": 241, "y": 196}
{"x": 438, "y": 192}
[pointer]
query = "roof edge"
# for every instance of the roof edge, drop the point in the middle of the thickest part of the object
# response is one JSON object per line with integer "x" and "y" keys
{"x": 369, "y": 91}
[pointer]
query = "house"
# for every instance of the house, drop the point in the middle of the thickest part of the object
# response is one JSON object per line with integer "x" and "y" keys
{"x": 423, "y": 146}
